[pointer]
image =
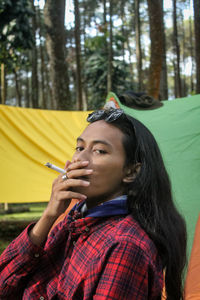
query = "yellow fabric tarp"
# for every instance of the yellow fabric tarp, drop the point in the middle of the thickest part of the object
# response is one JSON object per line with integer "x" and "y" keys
{"x": 28, "y": 139}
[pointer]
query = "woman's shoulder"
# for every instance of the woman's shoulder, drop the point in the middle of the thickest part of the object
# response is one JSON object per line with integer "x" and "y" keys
{"x": 128, "y": 230}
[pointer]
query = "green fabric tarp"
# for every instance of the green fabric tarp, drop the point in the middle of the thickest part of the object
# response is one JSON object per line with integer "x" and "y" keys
{"x": 176, "y": 127}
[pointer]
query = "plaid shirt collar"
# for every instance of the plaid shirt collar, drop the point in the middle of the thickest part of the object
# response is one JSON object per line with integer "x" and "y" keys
{"x": 114, "y": 207}
{"x": 79, "y": 222}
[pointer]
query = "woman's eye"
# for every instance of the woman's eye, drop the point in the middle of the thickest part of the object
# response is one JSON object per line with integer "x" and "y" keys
{"x": 78, "y": 149}
{"x": 99, "y": 151}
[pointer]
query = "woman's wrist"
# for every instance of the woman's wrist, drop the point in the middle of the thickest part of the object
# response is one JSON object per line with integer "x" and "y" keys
{"x": 39, "y": 232}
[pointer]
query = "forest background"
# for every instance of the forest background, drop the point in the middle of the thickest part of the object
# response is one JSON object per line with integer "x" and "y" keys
{"x": 52, "y": 61}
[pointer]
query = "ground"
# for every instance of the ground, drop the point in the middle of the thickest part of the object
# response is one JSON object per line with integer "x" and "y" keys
{"x": 16, "y": 219}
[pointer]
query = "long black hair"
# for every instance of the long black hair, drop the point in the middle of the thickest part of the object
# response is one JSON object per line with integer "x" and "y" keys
{"x": 150, "y": 198}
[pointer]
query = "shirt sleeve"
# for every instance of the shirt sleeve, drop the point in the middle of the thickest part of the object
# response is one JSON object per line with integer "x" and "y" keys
{"x": 129, "y": 273}
{"x": 17, "y": 263}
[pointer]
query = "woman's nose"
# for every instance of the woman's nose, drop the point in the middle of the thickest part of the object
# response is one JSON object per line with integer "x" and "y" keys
{"x": 81, "y": 156}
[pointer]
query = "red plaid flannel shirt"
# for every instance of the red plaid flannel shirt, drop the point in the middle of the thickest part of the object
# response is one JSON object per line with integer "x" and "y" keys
{"x": 88, "y": 258}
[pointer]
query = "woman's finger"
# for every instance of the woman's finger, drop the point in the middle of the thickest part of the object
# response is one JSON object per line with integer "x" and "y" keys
{"x": 79, "y": 173}
{"x": 70, "y": 183}
{"x": 66, "y": 195}
{"x": 68, "y": 162}
{"x": 77, "y": 165}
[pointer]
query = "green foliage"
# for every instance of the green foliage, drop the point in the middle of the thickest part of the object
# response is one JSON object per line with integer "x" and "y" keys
{"x": 3, "y": 244}
{"x": 96, "y": 77}
{"x": 15, "y": 29}
{"x": 96, "y": 70}
{"x": 94, "y": 44}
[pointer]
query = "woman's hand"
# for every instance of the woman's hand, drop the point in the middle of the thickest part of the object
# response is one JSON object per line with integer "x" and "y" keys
{"x": 61, "y": 195}
{"x": 62, "y": 190}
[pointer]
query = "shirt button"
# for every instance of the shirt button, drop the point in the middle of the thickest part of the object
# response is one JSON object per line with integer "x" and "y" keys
{"x": 87, "y": 229}
{"x": 36, "y": 255}
{"x": 41, "y": 298}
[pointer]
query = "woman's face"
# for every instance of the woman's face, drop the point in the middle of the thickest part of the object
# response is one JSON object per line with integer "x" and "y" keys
{"x": 101, "y": 145}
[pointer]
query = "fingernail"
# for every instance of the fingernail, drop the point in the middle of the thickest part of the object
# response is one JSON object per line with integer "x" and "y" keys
{"x": 85, "y": 162}
{"x": 86, "y": 183}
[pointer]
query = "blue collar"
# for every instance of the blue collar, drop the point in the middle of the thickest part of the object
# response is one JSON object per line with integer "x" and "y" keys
{"x": 114, "y": 207}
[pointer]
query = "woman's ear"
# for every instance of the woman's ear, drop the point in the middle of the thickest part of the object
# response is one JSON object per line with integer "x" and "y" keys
{"x": 131, "y": 172}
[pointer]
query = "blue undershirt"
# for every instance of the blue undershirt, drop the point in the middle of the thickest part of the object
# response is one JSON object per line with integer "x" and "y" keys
{"x": 114, "y": 207}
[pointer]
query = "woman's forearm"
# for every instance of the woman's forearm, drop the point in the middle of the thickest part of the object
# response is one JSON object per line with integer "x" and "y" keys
{"x": 39, "y": 232}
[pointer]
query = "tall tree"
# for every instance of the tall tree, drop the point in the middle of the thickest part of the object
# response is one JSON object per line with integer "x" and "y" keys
{"x": 138, "y": 45}
{"x": 196, "y": 5}
{"x": 131, "y": 68}
{"x": 105, "y": 26}
{"x": 110, "y": 48}
{"x": 34, "y": 63}
{"x": 42, "y": 67}
{"x": 3, "y": 84}
{"x": 191, "y": 48}
{"x": 156, "y": 36}
{"x": 177, "y": 73}
{"x": 163, "y": 81}
{"x": 122, "y": 14}
{"x": 183, "y": 49}
{"x": 104, "y": 16}
{"x": 79, "y": 95}
{"x": 17, "y": 86}
{"x": 27, "y": 87}
{"x": 54, "y": 12}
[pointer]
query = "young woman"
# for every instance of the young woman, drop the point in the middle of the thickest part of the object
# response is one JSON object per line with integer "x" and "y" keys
{"x": 123, "y": 236}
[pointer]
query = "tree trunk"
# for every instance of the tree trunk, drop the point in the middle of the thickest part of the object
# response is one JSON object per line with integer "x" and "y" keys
{"x": 27, "y": 92}
{"x": 34, "y": 81}
{"x": 104, "y": 14}
{"x": 177, "y": 54}
{"x": 84, "y": 82}
{"x": 79, "y": 96}
{"x": 163, "y": 80}
{"x": 43, "y": 88}
{"x": 196, "y": 4}
{"x": 183, "y": 56}
{"x": 3, "y": 84}
{"x": 49, "y": 101}
{"x": 54, "y": 12}
{"x": 138, "y": 45}
{"x": 175, "y": 81}
{"x": 122, "y": 6}
{"x": 130, "y": 61}
{"x": 156, "y": 36}
{"x": 191, "y": 34}
{"x": 105, "y": 25}
{"x": 5, "y": 206}
{"x": 110, "y": 50}
{"x": 17, "y": 88}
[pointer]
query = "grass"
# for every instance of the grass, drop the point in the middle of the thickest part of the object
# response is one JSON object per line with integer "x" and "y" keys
{"x": 3, "y": 244}
{"x": 16, "y": 219}
{"x": 29, "y": 212}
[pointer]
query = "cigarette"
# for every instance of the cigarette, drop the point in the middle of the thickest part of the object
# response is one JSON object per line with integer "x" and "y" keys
{"x": 55, "y": 168}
